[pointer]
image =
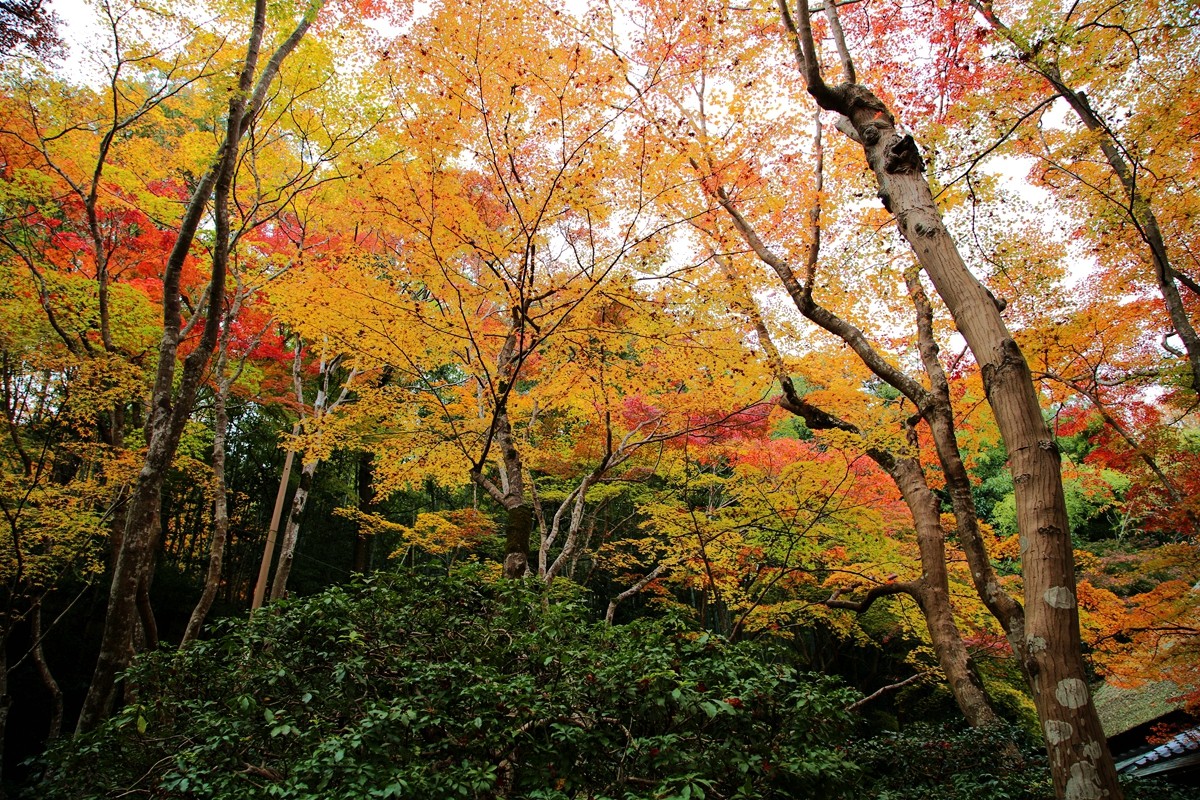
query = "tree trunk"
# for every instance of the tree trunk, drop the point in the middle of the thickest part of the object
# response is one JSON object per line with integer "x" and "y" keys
{"x": 518, "y": 529}
{"x": 291, "y": 535}
{"x": 5, "y": 700}
{"x": 1080, "y": 762}
{"x": 264, "y": 567}
{"x": 171, "y": 401}
{"x": 932, "y": 590}
{"x": 147, "y": 634}
{"x": 366, "y": 498}
{"x": 43, "y": 668}
{"x": 1079, "y": 757}
{"x": 933, "y": 595}
{"x": 216, "y": 550}
{"x": 122, "y": 617}
{"x": 939, "y": 415}
{"x": 611, "y": 612}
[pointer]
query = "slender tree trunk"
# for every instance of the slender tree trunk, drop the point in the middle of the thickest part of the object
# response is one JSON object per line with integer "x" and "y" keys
{"x": 147, "y": 634}
{"x": 932, "y": 590}
{"x": 291, "y": 534}
{"x": 216, "y": 550}
{"x": 172, "y": 401}
{"x": 939, "y": 414}
{"x": 366, "y": 499}
{"x": 264, "y": 567}
{"x": 43, "y": 668}
{"x": 933, "y": 595}
{"x": 5, "y": 700}
{"x": 611, "y": 612}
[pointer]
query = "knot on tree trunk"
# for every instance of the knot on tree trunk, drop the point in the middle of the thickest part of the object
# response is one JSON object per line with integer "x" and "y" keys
{"x": 1011, "y": 358}
{"x": 902, "y": 156}
{"x": 516, "y": 565}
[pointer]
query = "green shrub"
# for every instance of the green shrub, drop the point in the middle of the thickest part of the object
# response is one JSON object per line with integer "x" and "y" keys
{"x": 1001, "y": 762}
{"x": 419, "y": 687}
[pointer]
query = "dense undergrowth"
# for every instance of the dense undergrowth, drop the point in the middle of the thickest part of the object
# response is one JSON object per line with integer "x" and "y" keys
{"x": 413, "y": 686}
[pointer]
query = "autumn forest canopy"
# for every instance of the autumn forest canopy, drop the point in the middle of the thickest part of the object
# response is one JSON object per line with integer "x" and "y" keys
{"x": 600, "y": 400}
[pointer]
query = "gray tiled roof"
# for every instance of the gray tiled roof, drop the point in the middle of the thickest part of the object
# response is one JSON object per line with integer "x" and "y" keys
{"x": 1182, "y": 750}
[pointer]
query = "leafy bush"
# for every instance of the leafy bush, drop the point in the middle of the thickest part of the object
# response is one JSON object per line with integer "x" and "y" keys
{"x": 1001, "y": 762}
{"x": 411, "y": 686}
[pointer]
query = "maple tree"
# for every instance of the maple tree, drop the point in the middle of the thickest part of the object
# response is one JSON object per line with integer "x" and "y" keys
{"x": 1080, "y": 764}
{"x": 56, "y": 479}
{"x": 312, "y": 431}
{"x": 541, "y": 267}
{"x": 725, "y": 158}
{"x": 171, "y": 402}
{"x": 1100, "y": 48}
{"x": 232, "y": 357}
{"x": 1048, "y": 560}
{"x": 494, "y": 241}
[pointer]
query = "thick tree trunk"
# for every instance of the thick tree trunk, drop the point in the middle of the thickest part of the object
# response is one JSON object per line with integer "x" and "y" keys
{"x": 1080, "y": 762}
{"x": 518, "y": 529}
{"x": 171, "y": 401}
{"x": 1079, "y": 759}
{"x": 291, "y": 535}
{"x": 122, "y": 617}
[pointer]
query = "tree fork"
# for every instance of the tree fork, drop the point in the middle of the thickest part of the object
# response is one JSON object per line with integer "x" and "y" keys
{"x": 932, "y": 590}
